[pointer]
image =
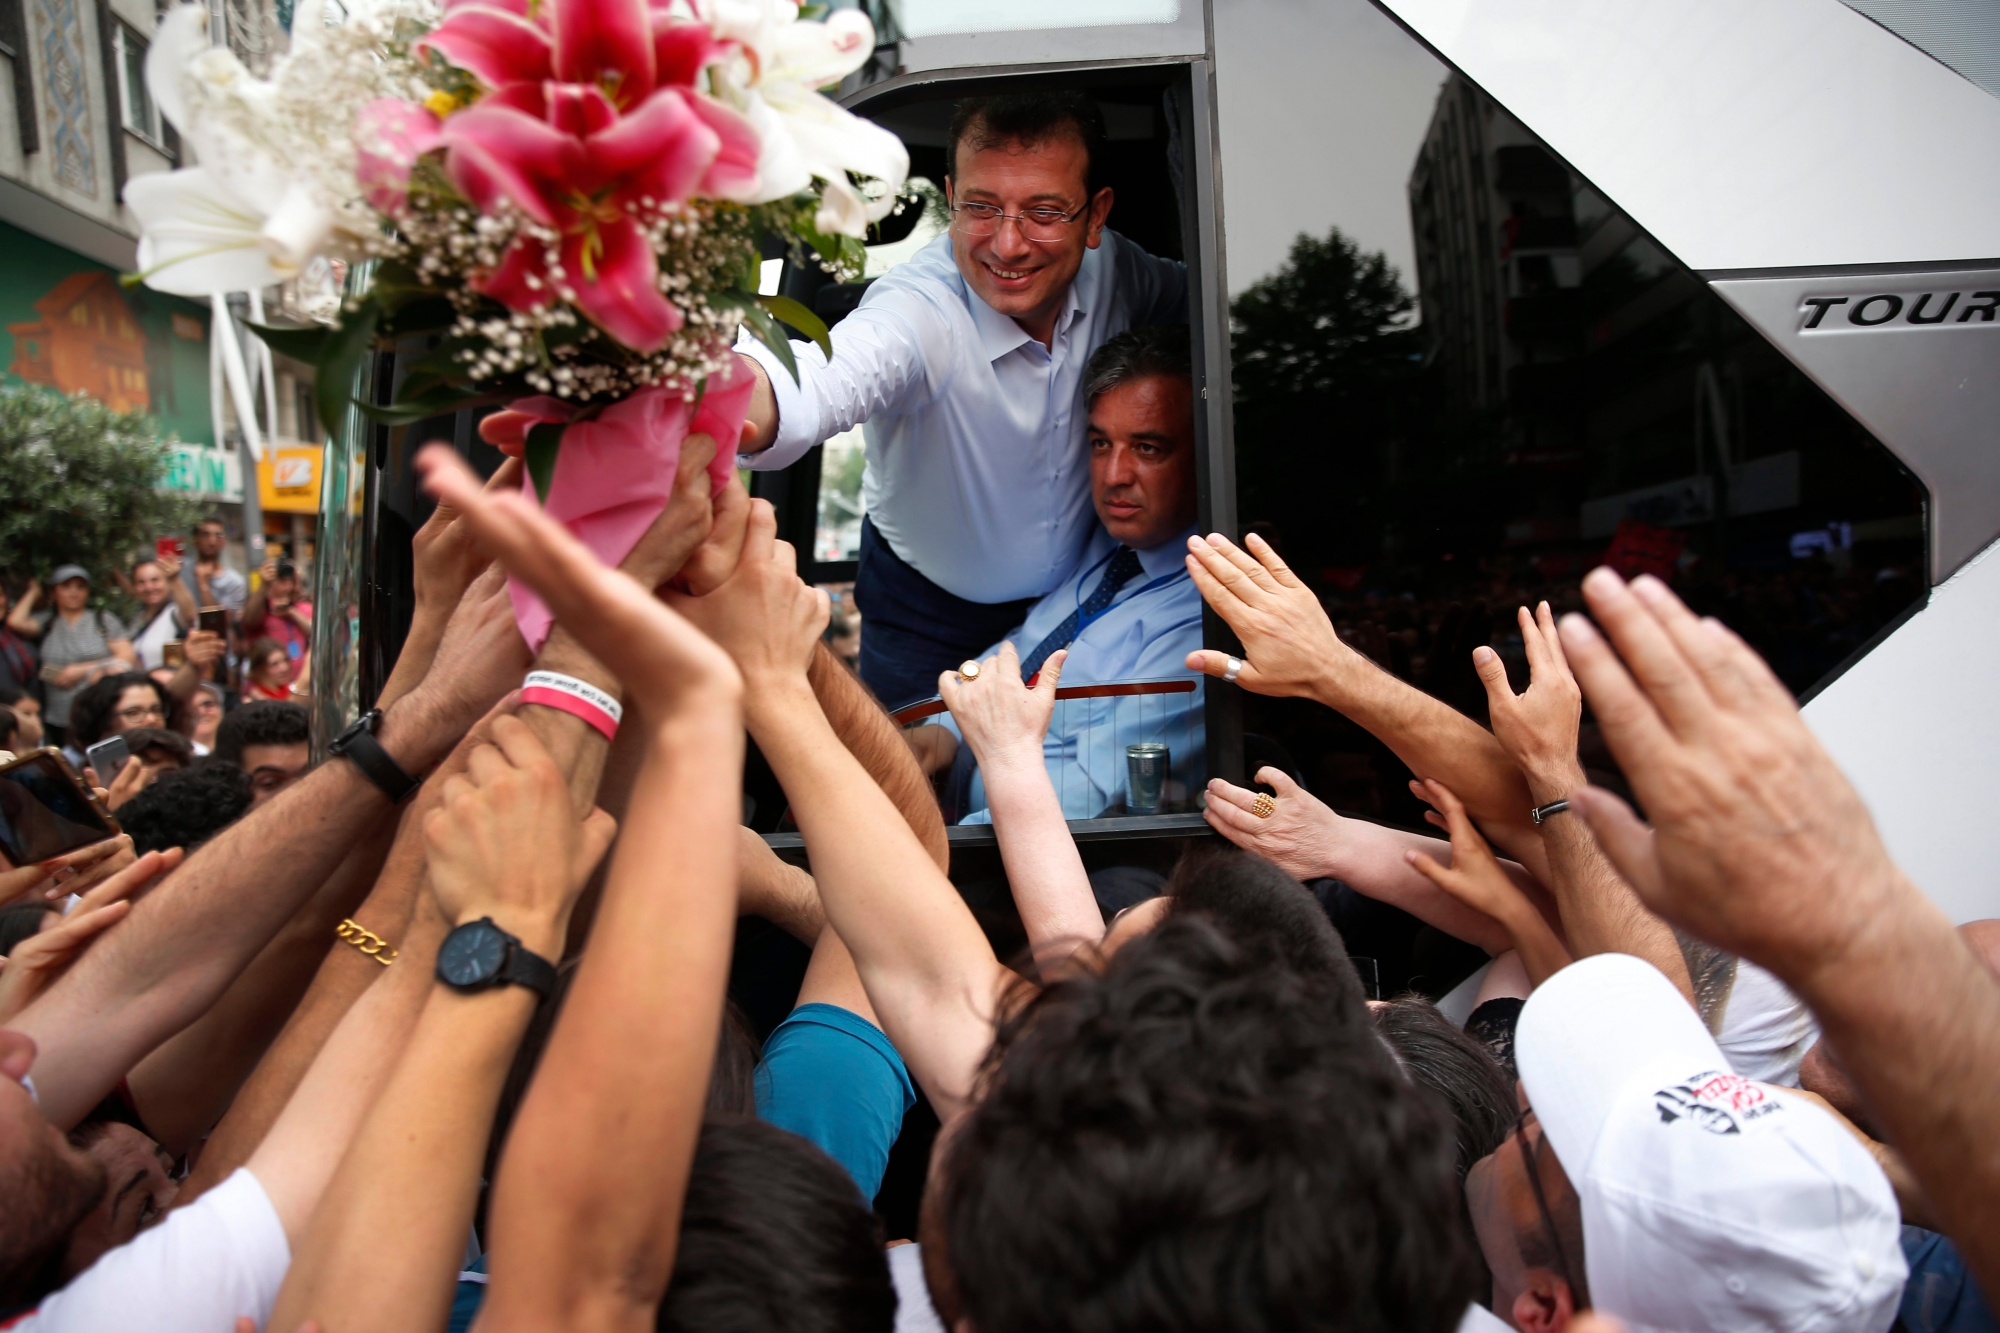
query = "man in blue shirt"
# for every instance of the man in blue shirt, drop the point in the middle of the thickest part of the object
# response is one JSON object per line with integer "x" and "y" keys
{"x": 1129, "y": 612}
{"x": 966, "y": 363}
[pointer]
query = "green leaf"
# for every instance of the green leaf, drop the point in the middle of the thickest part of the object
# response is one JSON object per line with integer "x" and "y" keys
{"x": 799, "y": 317}
{"x": 540, "y": 455}
{"x": 767, "y": 332}
{"x": 340, "y": 360}
{"x": 436, "y": 403}
{"x": 304, "y": 344}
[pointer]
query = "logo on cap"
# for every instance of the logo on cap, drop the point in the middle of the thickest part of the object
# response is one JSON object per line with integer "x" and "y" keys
{"x": 1720, "y": 1103}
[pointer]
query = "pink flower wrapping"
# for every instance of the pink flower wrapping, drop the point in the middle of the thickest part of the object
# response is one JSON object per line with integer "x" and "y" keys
{"x": 615, "y": 473}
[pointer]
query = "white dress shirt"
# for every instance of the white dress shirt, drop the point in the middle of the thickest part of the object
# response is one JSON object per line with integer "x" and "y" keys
{"x": 978, "y": 471}
{"x": 1146, "y": 633}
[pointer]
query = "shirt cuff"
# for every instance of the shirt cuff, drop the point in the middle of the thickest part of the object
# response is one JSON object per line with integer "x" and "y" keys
{"x": 797, "y": 409}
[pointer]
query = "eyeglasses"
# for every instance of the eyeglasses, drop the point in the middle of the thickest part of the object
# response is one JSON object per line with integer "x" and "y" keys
{"x": 1530, "y": 1158}
{"x": 1045, "y": 226}
{"x": 141, "y": 712}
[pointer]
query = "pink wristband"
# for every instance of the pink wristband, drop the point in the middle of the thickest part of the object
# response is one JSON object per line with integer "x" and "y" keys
{"x": 575, "y": 697}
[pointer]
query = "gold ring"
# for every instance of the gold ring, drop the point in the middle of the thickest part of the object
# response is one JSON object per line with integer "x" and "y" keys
{"x": 968, "y": 669}
{"x": 1263, "y": 806}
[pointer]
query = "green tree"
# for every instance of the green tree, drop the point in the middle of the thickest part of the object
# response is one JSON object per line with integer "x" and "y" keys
{"x": 81, "y": 484}
{"x": 1327, "y": 384}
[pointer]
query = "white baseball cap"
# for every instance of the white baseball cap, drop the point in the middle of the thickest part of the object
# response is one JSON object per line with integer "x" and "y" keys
{"x": 1711, "y": 1204}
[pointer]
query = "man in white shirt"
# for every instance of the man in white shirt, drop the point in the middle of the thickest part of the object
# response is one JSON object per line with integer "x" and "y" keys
{"x": 1651, "y": 1183}
{"x": 966, "y": 363}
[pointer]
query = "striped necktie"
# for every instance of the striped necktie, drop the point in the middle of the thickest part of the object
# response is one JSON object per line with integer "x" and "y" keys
{"x": 1124, "y": 565}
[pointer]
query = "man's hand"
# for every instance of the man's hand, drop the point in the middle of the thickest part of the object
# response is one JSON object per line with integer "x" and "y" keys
{"x": 715, "y": 559}
{"x": 1288, "y": 642}
{"x": 40, "y": 959}
{"x": 683, "y": 525}
{"x": 135, "y": 777}
{"x": 1476, "y": 879}
{"x": 204, "y": 648}
{"x": 1537, "y": 727}
{"x": 447, "y": 561}
{"x": 1002, "y": 720}
{"x": 1298, "y": 837}
{"x": 480, "y": 658}
{"x": 72, "y": 872}
{"x": 762, "y": 615}
{"x": 170, "y": 565}
{"x": 505, "y": 841}
{"x": 1759, "y": 845}
{"x": 664, "y": 663}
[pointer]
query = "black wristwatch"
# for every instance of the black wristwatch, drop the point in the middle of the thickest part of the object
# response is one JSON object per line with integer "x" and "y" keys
{"x": 479, "y": 956}
{"x": 359, "y": 744}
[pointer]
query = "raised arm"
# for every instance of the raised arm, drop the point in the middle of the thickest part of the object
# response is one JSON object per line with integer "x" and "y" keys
{"x": 927, "y": 966}
{"x": 1004, "y": 723}
{"x": 1474, "y": 878}
{"x": 871, "y": 737}
{"x": 1759, "y": 845}
{"x": 879, "y": 366}
{"x": 505, "y": 845}
{"x": 586, "y": 1206}
{"x": 1600, "y": 913}
{"x": 1292, "y": 651}
{"x": 145, "y": 982}
{"x": 1308, "y": 839}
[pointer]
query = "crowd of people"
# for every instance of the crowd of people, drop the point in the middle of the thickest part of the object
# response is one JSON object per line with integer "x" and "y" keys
{"x": 200, "y": 671}
{"x": 460, "y": 1027}
{"x": 438, "y": 1033}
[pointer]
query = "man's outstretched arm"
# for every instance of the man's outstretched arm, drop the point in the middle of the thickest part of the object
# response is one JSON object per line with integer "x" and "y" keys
{"x": 1291, "y": 650}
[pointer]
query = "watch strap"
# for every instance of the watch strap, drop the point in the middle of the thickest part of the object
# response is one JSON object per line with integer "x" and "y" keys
{"x": 526, "y": 968}
{"x": 358, "y": 743}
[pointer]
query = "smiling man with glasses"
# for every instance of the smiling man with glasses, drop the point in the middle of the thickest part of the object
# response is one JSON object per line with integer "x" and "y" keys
{"x": 966, "y": 366}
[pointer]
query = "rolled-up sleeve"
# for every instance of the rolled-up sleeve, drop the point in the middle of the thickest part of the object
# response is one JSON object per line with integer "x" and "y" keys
{"x": 879, "y": 366}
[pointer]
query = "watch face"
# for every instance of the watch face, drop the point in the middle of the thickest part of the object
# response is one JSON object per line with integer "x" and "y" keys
{"x": 472, "y": 954}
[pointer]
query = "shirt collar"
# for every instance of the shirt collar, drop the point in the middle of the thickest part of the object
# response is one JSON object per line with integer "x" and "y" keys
{"x": 1169, "y": 557}
{"x": 998, "y": 333}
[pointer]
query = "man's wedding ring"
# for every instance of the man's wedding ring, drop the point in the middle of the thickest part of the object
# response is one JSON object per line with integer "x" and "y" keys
{"x": 1264, "y": 805}
{"x": 968, "y": 669}
{"x": 1234, "y": 669}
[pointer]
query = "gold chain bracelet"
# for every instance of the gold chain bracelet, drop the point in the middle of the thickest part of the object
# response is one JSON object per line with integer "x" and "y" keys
{"x": 367, "y": 941}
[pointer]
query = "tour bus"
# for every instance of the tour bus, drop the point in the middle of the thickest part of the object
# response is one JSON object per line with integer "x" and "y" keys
{"x": 1482, "y": 295}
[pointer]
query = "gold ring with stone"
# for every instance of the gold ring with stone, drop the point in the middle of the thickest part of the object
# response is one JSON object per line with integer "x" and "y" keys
{"x": 968, "y": 669}
{"x": 1264, "y": 805}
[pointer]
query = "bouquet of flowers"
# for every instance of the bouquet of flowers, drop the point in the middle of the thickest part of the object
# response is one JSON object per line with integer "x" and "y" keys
{"x": 561, "y": 204}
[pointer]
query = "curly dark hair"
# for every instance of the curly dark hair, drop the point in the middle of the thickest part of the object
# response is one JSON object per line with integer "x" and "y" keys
{"x": 1196, "y": 1138}
{"x": 186, "y": 807}
{"x": 264, "y": 722}
{"x": 93, "y": 713}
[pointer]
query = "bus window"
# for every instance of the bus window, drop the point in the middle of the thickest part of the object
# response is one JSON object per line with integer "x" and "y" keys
{"x": 1463, "y": 378}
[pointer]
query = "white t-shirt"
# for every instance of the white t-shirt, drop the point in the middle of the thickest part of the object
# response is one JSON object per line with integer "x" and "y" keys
{"x": 220, "y": 1258}
{"x": 160, "y": 631}
{"x": 1766, "y": 1030}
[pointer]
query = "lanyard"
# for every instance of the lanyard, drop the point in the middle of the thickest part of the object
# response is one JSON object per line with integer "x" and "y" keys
{"x": 1083, "y": 621}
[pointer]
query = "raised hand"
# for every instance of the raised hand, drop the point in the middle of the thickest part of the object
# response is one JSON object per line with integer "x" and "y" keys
{"x": 1288, "y": 642}
{"x": 1475, "y": 878}
{"x": 1299, "y": 834}
{"x": 480, "y": 657}
{"x": 39, "y": 960}
{"x": 715, "y": 559}
{"x": 657, "y": 656}
{"x": 1002, "y": 720}
{"x": 447, "y": 562}
{"x": 204, "y": 648}
{"x": 72, "y": 872}
{"x": 1759, "y": 844}
{"x": 505, "y": 841}
{"x": 763, "y": 614}
{"x": 684, "y": 525}
{"x": 1538, "y": 727}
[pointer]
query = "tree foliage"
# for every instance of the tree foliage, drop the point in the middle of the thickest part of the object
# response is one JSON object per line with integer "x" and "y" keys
{"x": 1327, "y": 384}
{"x": 81, "y": 484}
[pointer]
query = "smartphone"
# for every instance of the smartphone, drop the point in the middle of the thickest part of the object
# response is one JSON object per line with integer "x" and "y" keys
{"x": 107, "y": 757}
{"x": 214, "y": 619}
{"x": 174, "y": 653}
{"x": 170, "y": 548}
{"x": 45, "y": 811}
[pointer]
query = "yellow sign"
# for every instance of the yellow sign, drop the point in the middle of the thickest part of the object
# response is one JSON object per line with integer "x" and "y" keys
{"x": 288, "y": 479}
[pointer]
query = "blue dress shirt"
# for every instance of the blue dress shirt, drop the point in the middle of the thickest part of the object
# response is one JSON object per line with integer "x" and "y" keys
{"x": 1146, "y": 634}
{"x": 978, "y": 471}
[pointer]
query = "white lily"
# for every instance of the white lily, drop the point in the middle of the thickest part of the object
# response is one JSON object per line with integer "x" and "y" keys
{"x": 238, "y": 221}
{"x": 774, "y": 80}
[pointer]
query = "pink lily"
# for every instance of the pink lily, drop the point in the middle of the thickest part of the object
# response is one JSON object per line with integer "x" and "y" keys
{"x": 389, "y": 136}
